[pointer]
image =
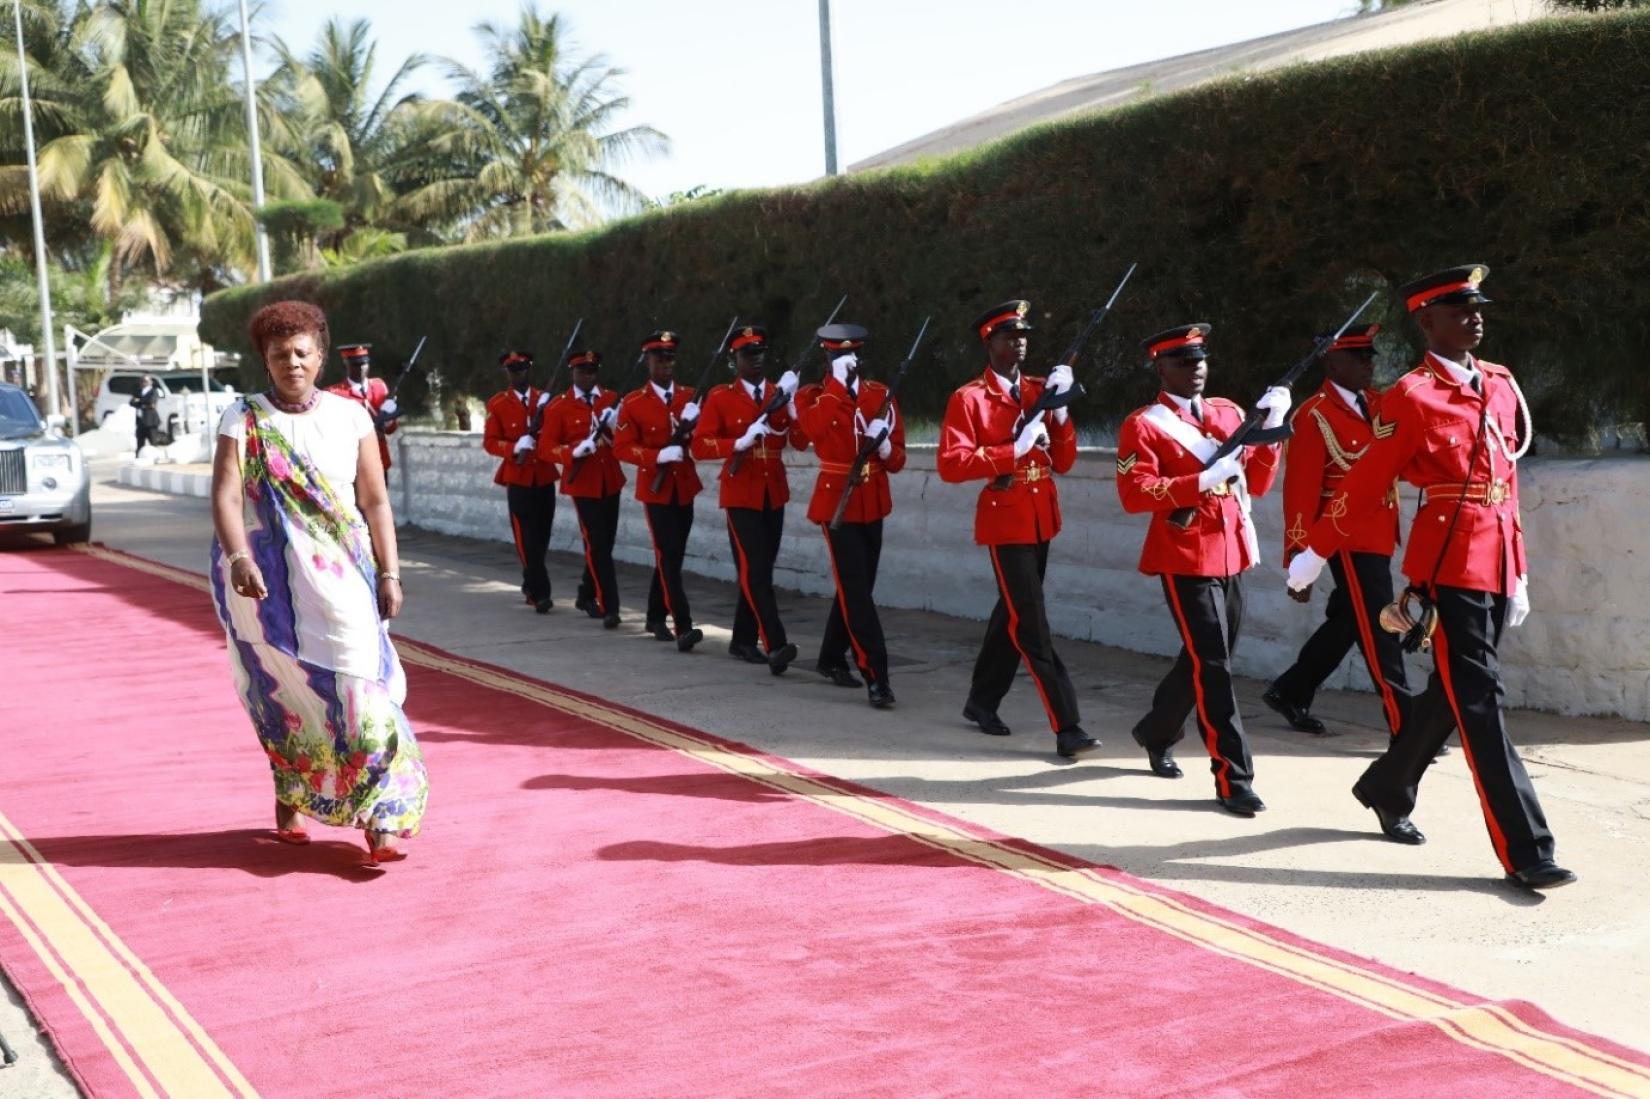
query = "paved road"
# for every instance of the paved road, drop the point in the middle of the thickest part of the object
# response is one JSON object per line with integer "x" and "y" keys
{"x": 1312, "y": 864}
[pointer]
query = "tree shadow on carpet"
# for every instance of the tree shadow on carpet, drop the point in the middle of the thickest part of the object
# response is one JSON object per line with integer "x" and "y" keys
{"x": 253, "y": 851}
{"x": 709, "y": 785}
{"x": 819, "y": 851}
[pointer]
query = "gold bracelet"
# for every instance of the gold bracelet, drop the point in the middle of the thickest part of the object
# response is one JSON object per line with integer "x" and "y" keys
{"x": 238, "y": 555}
{"x": 383, "y": 576}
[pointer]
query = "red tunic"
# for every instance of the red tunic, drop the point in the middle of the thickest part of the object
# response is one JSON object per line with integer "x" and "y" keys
{"x": 507, "y": 416}
{"x": 377, "y": 393}
{"x": 728, "y": 411}
{"x": 567, "y": 421}
{"x": 1424, "y": 435}
{"x": 644, "y": 428}
{"x": 1156, "y": 474}
{"x": 977, "y": 443}
{"x": 829, "y": 422}
{"x": 1330, "y": 435}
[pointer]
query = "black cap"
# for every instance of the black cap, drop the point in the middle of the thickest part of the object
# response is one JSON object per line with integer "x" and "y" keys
{"x": 1184, "y": 342}
{"x": 662, "y": 340}
{"x": 1453, "y": 286}
{"x": 1010, "y": 314}
{"x": 585, "y": 360}
{"x": 753, "y": 336}
{"x": 355, "y": 351}
{"x": 842, "y": 337}
{"x": 516, "y": 360}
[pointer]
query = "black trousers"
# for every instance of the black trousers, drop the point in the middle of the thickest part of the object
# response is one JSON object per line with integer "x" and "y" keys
{"x": 1363, "y": 585}
{"x": 853, "y": 626}
{"x": 1018, "y": 632}
{"x": 754, "y": 534}
{"x": 599, "y": 523}
{"x": 532, "y": 507}
{"x": 669, "y": 525}
{"x": 1208, "y": 612}
{"x": 1465, "y": 693}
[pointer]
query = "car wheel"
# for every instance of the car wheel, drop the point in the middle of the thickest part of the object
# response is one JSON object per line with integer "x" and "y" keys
{"x": 79, "y": 533}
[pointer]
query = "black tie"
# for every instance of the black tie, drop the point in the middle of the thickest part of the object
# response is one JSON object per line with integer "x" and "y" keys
{"x": 1363, "y": 407}
{"x": 1197, "y": 410}
{"x": 853, "y": 391}
{"x": 666, "y": 393}
{"x": 1014, "y": 390}
{"x": 1478, "y": 383}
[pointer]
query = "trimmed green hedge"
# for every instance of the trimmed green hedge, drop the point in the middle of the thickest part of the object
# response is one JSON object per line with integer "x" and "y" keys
{"x": 1265, "y": 205}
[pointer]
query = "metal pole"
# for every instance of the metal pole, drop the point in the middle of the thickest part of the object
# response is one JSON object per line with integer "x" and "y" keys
{"x": 71, "y": 366}
{"x": 827, "y": 82}
{"x": 47, "y": 336}
{"x": 259, "y": 235}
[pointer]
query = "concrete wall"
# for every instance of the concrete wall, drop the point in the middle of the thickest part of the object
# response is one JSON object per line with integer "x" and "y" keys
{"x": 1584, "y": 650}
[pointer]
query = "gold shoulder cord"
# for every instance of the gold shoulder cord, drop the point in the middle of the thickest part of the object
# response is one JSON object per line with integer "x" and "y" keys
{"x": 1339, "y": 455}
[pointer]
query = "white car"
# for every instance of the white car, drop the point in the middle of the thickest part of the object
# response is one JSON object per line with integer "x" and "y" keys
{"x": 179, "y": 407}
{"x": 44, "y": 484}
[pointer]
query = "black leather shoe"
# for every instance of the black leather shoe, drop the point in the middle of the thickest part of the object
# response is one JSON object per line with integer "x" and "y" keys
{"x": 1244, "y": 803}
{"x": 1443, "y": 750}
{"x": 781, "y": 658}
{"x": 882, "y": 698}
{"x": 988, "y": 721}
{"x": 1073, "y": 742}
{"x": 1296, "y": 716}
{"x": 660, "y": 631}
{"x": 750, "y": 654}
{"x": 588, "y": 606}
{"x": 1162, "y": 762}
{"x": 611, "y": 622}
{"x": 689, "y": 638}
{"x": 1396, "y": 828}
{"x": 542, "y": 606}
{"x": 1545, "y": 874}
{"x": 839, "y": 675}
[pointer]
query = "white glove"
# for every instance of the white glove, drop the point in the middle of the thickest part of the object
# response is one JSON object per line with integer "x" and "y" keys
{"x": 842, "y": 366}
{"x": 544, "y": 399}
{"x": 668, "y": 455}
{"x": 1033, "y": 434}
{"x": 752, "y": 433}
{"x": 607, "y": 415}
{"x": 1518, "y": 607}
{"x": 388, "y": 409}
{"x": 1304, "y": 569}
{"x": 877, "y": 427}
{"x": 1060, "y": 416}
{"x": 690, "y": 411}
{"x": 526, "y": 443}
{"x": 1276, "y": 402}
{"x": 790, "y": 410}
{"x": 1059, "y": 379}
{"x": 1221, "y": 472}
{"x": 585, "y": 449}
{"x": 788, "y": 382}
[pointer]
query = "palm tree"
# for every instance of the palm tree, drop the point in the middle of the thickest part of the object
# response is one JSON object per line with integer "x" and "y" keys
{"x": 529, "y": 146}
{"x": 353, "y": 146}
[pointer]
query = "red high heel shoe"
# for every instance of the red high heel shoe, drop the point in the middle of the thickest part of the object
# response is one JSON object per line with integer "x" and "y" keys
{"x": 379, "y": 852}
{"x": 286, "y": 828}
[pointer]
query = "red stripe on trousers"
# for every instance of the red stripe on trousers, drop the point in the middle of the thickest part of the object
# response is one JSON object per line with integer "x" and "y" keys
{"x": 1014, "y": 637}
{"x": 659, "y": 563}
{"x": 1211, "y": 740}
{"x": 590, "y": 564}
{"x": 1360, "y": 610}
{"x": 1440, "y": 648}
{"x": 745, "y": 582}
{"x": 515, "y": 532}
{"x": 842, "y": 605}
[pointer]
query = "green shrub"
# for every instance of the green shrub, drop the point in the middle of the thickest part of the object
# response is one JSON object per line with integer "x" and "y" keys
{"x": 1265, "y": 205}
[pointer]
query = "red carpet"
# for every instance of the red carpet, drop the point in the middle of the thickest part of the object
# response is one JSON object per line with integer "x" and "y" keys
{"x": 606, "y": 904}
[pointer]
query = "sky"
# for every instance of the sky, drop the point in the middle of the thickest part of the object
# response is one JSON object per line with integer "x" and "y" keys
{"x": 735, "y": 84}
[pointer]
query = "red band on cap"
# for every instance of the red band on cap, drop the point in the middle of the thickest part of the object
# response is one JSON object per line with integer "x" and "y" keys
{"x": 516, "y": 357}
{"x": 354, "y": 352}
{"x": 841, "y": 345}
{"x": 1179, "y": 341}
{"x": 1353, "y": 343}
{"x": 658, "y": 345}
{"x": 584, "y": 358}
{"x": 745, "y": 341}
{"x": 1432, "y": 294}
{"x": 987, "y": 328}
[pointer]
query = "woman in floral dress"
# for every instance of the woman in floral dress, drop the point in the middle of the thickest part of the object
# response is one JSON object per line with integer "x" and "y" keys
{"x": 305, "y": 575}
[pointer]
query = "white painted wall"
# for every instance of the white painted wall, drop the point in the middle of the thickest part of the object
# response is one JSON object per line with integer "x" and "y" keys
{"x": 1584, "y": 650}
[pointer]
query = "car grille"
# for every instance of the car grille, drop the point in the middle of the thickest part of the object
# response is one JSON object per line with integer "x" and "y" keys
{"x": 14, "y": 476}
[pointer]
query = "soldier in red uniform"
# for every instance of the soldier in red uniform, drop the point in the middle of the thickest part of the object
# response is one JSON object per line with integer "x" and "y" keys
{"x": 1161, "y": 453}
{"x": 578, "y": 431}
{"x": 987, "y": 435}
{"x": 1455, "y": 427}
{"x": 358, "y": 385}
{"x": 754, "y": 498}
{"x": 647, "y": 419}
{"x": 835, "y": 416}
{"x": 529, "y": 481}
{"x": 1332, "y": 431}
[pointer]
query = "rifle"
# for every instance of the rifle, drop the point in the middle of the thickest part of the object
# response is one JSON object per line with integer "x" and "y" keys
{"x": 1047, "y": 400}
{"x": 597, "y": 432}
{"x": 1249, "y": 432}
{"x": 535, "y": 415}
{"x": 870, "y": 443}
{"x": 683, "y": 434}
{"x": 406, "y": 368}
{"x": 780, "y": 399}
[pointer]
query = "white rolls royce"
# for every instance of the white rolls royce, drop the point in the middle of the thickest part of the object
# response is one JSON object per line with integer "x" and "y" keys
{"x": 44, "y": 483}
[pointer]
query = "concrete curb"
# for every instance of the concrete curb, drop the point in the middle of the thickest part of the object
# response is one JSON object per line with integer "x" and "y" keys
{"x": 173, "y": 480}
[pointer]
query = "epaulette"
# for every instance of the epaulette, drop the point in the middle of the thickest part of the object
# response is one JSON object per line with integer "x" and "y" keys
{"x": 1309, "y": 404}
{"x": 1228, "y": 402}
{"x": 1409, "y": 381}
{"x": 1494, "y": 368}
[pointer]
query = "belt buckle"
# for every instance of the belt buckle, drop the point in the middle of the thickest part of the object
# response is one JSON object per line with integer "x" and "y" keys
{"x": 1034, "y": 473}
{"x": 1221, "y": 489}
{"x": 1497, "y": 492}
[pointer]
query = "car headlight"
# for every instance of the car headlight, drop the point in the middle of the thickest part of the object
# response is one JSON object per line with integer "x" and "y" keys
{"x": 49, "y": 460}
